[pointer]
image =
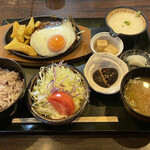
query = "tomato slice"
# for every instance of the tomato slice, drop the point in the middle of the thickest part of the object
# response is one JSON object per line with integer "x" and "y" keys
{"x": 62, "y": 102}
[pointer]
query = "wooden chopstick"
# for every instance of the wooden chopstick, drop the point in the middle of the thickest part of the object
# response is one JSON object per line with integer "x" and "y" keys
{"x": 97, "y": 119}
{"x": 78, "y": 120}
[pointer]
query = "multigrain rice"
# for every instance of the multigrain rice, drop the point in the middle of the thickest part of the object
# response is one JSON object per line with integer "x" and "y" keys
{"x": 11, "y": 86}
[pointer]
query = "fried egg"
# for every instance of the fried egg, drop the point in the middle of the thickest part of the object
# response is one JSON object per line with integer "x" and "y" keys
{"x": 53, "y": 41}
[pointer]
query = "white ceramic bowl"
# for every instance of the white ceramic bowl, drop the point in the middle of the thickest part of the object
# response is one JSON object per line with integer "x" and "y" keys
{"x": 117, "y": 42}
{"x": 105, "y": 60}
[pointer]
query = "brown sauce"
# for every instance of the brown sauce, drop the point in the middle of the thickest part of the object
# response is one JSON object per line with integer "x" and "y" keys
{"x": 105, "y": 77}
{"x": 137, "y": 95}
{"x": 49, "y": 24}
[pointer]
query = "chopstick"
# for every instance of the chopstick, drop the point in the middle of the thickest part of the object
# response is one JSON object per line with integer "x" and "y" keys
{"x": 97, "y": 119}
{"x": 78, "y": 120}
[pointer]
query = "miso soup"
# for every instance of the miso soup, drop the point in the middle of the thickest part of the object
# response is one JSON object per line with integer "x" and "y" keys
{"x": 137, "y": 94}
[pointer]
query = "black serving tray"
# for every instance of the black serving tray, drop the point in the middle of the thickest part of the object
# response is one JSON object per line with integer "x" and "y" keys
{"x": 100, "y": 105}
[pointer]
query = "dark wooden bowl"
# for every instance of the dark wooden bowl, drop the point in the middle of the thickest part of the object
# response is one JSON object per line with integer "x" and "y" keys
{"x": 12, "y": 66}
{"x": 56, "y": 121}
{"x": 138, "y": 72}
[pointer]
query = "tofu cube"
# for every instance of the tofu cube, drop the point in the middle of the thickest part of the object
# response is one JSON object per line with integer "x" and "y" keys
{"x": 101, "y": 44}
{"x": 111, "y": 49}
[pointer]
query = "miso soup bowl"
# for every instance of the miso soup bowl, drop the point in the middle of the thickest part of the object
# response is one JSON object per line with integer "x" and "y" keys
{"x": 138, "y": 72}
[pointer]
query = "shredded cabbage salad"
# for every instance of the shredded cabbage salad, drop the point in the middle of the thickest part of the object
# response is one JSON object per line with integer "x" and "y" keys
{"x": 57, "y": 78}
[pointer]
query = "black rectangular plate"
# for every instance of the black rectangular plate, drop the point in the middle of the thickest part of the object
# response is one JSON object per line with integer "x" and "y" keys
{"x": 100, "y": 105}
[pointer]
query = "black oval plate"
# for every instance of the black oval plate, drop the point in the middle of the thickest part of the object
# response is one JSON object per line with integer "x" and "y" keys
{"x": 7, "y": 39}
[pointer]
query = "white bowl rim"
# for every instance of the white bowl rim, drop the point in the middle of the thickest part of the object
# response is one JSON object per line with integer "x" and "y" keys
{"x": 117, "y": 88}
{"x": 106, "y": 34}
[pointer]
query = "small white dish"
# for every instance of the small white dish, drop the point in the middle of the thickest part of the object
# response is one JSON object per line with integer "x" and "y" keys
{"x": 135, "y": 52}
{"x": 105, "y": 60}
{"x": 117, "y": 42}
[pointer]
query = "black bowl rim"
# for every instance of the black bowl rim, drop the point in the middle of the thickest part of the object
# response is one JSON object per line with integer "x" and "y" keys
{"x": 121, "y": 34}
{"x": 57, "y": 121}
{"x": 24, "y": 83}
{"x": 122, "y": 87}
{"x": 134, "y": 49}
{"x": 43, "y": 58}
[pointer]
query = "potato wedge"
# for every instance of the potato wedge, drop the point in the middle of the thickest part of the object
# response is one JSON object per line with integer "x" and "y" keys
{"x": 30, "y": 28}
{"x": 15, "y": 39}
{"x": 21, "y": 47}
{"x": 15, "y": 28}
{"x": 27, "y": 42}
{"x": 37, "y": 24}
{"x": 26, "y": 36}
{"x": 20, "y": 33}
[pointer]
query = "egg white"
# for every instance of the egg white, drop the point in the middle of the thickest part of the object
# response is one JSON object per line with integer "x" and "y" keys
{"x": 39, "y": 39}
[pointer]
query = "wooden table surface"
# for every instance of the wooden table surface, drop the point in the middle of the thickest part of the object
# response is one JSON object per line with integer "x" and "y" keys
{"x": 77, "y": 9}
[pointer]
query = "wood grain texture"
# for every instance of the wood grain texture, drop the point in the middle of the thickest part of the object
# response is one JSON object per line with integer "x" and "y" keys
{"x": 80, "y": 119}
{"x": 73, "y": 142}
{"x": 64, "y": 8}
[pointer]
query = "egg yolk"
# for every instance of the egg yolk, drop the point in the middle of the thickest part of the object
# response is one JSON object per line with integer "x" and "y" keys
{"x": 56, "y": 43}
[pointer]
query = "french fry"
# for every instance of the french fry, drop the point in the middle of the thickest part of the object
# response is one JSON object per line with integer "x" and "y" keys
{"x": 15, "y": 39}
{"x": 21, "y": 47}
{"x": 21, "y": 38}
{"x": 30, "y": 28}
{"x": 20, "y": 33}
{"x": 37, "y": 24}
{"x": 27, "y": 41}
{"x": 15, "y": 28}
{"x": 26, "y": 36}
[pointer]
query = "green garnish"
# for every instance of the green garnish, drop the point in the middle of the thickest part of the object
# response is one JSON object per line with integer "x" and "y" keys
{"x": 127, "y": 23}
{"x": 138, "y": 14}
